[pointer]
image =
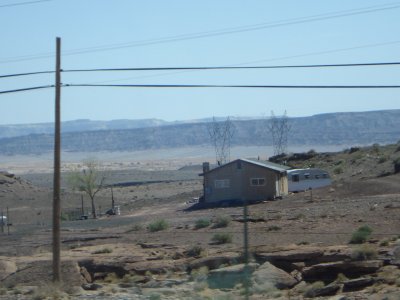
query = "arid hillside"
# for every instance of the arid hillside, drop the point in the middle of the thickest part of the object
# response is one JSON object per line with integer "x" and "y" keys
{"x": 340, "y": 241}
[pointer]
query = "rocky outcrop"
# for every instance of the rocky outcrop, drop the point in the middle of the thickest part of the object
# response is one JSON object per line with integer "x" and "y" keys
{"x": 329, "y": 271}
{"x": 268, "y": 273}
{"x": 228, "y": 277}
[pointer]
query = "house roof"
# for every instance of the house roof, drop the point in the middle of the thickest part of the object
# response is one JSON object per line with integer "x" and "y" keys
{"x": 264, "y": 164}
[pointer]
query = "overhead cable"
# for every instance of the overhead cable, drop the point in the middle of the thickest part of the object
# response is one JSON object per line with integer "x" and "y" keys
{"x": 219, "y": 32}
{"x": 209, "y": 68}
{"x": 27, "y": 89}
{"x": 237, "y": 86}
{"x": 23, "y": 3}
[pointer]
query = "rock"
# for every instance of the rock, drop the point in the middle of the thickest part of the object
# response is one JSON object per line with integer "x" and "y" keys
{"x": 36, "y": 272}
{"x": 328, "y": 290}
{"x": 91, "y": 286}
{"x": 101, "y": 267}
{"x": 230, "y": 276}
{"x": 85, "y": 274}
{"x": 6, "y": 269}
{"x": 357, "y": 284}
{"x": 213, "y": 262}
{"x": 268, "y": 273}
{"x": 329, "y": 271}
{"x": 296, "y": 255}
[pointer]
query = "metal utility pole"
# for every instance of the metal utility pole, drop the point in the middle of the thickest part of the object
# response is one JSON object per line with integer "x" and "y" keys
{"x": 57, "y": 170}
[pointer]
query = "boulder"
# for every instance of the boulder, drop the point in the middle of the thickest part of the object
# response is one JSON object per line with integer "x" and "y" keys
{"x": 7, "y": 268}
{"x": 271, "y": 275}
{"x": 357, "y": 284}
{"x": 228, "y": 277}
{"x": 352, "y": 269}
{"x": 213, "y": 262}
{"x": 38, "y": 272}
{"x": 328, "y": 290}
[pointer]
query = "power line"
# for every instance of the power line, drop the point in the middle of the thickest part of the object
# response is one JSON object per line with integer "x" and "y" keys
{"x": 237, "y": 86}
{"x": 219, "y": 32}
{"x": 27, "y": 89}
{"x": 26, "y": 74}
{"x": 238, "y": 67}
{"x": 23, "y": 3}
{"x": 209, "y": 68}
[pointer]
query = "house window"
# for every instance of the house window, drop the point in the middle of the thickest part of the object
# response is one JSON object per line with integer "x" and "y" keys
{"x": 222, "y": 183}
{"x": 295, "y": 178}
{"x": 257, "y": 181}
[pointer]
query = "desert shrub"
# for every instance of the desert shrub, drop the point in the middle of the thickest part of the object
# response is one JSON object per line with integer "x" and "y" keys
{"x": 200, "y": 274}
{"x": 202, "y": 223}
{"x": 382, "y": 159}
{"x": 196, "y": 251}
{"x": 273, "y": 228}
{"x": 384, "y": 243}
{"x": 136, "y": 227}
{"x": 103, "y": 251}
{"x": 361, "y": 235}
{"x": 158, "y": 225}
{"x": 222, "y": 238}
{"x": 364, "y": 252}
{"x": 376, "y": 148}
{"x": 338, "y": 170}
{"x": 222, "y": 221}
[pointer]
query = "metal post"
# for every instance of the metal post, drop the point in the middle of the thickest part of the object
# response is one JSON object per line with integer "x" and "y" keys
{"x": 8, "y": 222}
{"x": 57, "y": 168}
{"x": 82, "y": 208}
{"x": 112, "y": 200}
{"x": 2, "y": 221}
{"x": 246, "y": 250}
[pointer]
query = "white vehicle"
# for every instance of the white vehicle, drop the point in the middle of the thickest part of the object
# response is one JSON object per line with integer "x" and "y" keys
{"x": 305, "y": 179}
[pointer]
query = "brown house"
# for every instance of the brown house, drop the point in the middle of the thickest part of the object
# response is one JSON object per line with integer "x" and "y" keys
{"x": 242, "y": 180}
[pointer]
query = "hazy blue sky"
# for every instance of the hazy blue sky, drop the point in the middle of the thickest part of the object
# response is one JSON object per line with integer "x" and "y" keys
{"x": 289, "y": 34}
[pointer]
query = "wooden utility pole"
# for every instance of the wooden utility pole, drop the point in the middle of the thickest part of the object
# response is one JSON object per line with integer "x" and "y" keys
{"x": 57, "y": 168}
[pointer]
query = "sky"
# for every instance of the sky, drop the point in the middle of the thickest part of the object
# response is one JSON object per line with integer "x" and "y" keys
{"x": 181, "y": 33}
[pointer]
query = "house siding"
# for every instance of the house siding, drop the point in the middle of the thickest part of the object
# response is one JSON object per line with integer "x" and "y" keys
{"x": 240, "y": 187}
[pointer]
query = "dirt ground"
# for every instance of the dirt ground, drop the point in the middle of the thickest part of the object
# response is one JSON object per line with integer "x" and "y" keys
{"x": 323, "y": 217}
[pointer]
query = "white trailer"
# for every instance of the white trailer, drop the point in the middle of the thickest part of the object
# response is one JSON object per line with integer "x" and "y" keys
{"x": 305, "y": 179}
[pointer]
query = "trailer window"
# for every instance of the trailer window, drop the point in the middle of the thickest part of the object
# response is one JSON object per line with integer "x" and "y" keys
{"x": 257, "y": 181}
{"x": 317, "y": 176}
{"x": 295, "y": 178}
{"x": 307, "y": 175}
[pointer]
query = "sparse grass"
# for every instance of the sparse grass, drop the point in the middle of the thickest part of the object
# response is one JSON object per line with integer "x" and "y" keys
{"x": 361, "y": 235}
{"x": 200, "y": 274}
{"x": 222, "y": 221}
{"x": 202, "y": 223}
{"x": 364, "y": 252}
{"x": 103, "y": 251}
{"x": 222, "y": 238}
{"x": 158, "y": 225}
{"x": 299, "y": 216}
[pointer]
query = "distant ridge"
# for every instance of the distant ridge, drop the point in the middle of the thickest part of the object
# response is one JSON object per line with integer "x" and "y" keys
{"x": 325, "y": 129}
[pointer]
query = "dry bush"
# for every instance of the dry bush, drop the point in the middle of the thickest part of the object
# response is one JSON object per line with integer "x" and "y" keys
{"x": 364, "y": 252}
